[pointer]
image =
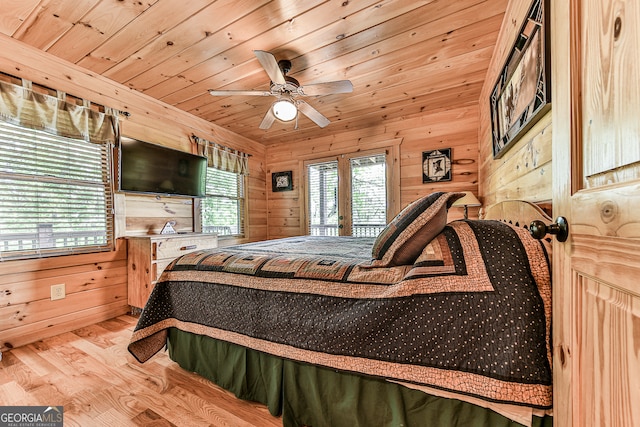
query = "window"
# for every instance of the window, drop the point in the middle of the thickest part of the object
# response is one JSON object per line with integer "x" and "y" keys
{"x": 368, "y": 195}
{"x": 347, "y": 195}
{"x": 222, "y": 210}
{"x": 55, "y": 194}
{"x": 224, "y": 205}
{"x": 323, "y": 198}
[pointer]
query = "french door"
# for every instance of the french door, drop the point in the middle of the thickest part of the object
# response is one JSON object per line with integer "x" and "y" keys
{"x": 347, "y": 195}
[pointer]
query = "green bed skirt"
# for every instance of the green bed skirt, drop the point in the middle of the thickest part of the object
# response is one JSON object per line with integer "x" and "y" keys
{"x": 308, "y": 395}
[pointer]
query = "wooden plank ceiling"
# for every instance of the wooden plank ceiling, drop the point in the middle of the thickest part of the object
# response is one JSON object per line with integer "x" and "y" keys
{"x": 402, "y": 56}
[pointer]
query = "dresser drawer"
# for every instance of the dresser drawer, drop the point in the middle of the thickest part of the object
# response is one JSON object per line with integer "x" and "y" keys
{"x": 174, "y": 247}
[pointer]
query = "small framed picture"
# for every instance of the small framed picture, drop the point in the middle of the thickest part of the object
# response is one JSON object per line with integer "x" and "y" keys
{"x": 436, "y": 165}
{"x": 281, "y": 181}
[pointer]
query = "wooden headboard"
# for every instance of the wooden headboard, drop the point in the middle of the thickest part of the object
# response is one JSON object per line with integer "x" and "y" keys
{"x": 517, "y": 212}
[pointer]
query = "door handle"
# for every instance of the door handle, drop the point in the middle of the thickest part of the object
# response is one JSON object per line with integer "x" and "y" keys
{"x": 560, "y": 228}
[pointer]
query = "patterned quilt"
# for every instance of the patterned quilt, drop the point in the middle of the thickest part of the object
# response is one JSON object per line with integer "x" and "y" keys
{"x": 472, "y": 315}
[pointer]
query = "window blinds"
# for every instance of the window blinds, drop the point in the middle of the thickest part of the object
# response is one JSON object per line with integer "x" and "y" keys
{"x": 322, "y": 182}
{"x": 55, "y": 194}
{"x": 367, "y": 212}
{"x": 223, "y": 207}
{"x": 368, "y": 195}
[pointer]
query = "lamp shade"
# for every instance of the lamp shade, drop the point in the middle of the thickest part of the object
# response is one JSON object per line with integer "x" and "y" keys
{"x": 284, "y": 110}
{"x": 468, "y": 200}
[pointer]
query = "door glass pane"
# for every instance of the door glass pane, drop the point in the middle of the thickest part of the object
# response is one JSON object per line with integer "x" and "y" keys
{"x": 323, "y": 198}
{"x": 368, "y": 195}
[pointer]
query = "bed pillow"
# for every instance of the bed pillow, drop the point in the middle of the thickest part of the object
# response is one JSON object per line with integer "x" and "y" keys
{"x": 403, "y": 239}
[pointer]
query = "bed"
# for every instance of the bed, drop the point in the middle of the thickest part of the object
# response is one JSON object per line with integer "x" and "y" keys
{"x": 430, "y": 323}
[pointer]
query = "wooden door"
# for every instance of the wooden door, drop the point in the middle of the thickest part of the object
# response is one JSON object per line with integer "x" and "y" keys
{"x": 596, "y": 175}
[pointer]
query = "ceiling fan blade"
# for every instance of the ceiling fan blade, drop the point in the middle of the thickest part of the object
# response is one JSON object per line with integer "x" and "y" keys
{"x": 327, "y": 88}
{"x": 240, "y": 92}
{"x": 312, "y": 113}
{"x": 268, "y": 119}
{"x": 270, "y": 65}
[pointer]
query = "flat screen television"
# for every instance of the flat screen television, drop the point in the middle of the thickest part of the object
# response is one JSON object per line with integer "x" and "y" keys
{"x": 154, "y": 169}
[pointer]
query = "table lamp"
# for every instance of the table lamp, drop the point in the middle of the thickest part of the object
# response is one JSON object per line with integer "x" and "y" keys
{"x": 468, "y": 200}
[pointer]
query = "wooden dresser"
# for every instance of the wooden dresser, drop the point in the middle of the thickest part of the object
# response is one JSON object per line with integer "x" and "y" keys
{"x": 149, "y": 255}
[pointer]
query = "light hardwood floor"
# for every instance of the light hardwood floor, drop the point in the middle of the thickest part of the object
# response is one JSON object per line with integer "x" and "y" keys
{"x": 90, "y": 372}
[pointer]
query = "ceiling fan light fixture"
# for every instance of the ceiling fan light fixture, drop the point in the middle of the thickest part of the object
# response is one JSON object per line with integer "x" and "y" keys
{"x": 284, "y": 110}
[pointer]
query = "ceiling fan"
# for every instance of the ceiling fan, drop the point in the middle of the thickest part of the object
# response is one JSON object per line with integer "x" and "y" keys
{"x": 287, "y": 90}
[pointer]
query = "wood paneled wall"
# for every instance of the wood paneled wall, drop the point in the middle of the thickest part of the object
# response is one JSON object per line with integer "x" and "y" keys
{"x": 96, "y": 283}
{"x": 442, "y": 126}
{"x": 524, "y": 172}
{"x": 95, "y": 287}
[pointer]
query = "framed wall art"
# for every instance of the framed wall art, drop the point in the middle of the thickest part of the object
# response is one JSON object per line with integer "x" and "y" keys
{"x": 522, "y": 93}
{"x": 436, "y": 165}
{"x": 281, "y": 181}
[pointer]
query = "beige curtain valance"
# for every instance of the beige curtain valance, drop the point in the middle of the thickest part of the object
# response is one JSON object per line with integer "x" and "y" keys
{"x": 22, "y": 106}
{"x": 221, "y": 157}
